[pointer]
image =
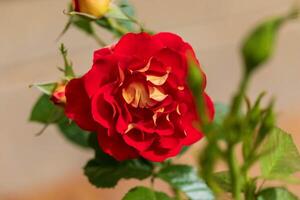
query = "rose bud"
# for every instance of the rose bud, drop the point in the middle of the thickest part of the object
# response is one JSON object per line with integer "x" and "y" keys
{"x": 96, "y": 8}
{"x": 136, "y": 98}
{"x": 58, "y": 96}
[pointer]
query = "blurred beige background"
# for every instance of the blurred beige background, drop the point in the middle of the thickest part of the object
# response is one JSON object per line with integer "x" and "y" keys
{"x": 36, "y": 167}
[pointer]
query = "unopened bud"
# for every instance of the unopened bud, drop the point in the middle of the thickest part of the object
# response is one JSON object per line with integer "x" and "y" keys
{"x": 58, "y": 96}
{"x": 96, "y": 8}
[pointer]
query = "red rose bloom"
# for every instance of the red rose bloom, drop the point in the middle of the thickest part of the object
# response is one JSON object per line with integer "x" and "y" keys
{"x": 136, "y": 98}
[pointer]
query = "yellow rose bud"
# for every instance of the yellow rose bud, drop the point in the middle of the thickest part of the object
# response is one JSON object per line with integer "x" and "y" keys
{"x": 96, "y": 8}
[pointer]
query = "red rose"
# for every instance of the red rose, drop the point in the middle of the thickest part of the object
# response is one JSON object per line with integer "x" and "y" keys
{"x": 137, "y": 99}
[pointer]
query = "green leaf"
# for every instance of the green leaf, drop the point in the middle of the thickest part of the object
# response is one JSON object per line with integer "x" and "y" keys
{"x": 223, "y": 180}
{"x": 45, "y": 112}
{"x": 143, "y": 193}
{"x": 73, "y": 133}
{"x": 258, "y": 46}
{"x": 107, "y": 173}
{"x": 221, "y": 110}
{"x": 276, "y": 194}
{"x": 46, "y": 88}
{"x": 185, "y": 179}
{"x": 283, "y": 158}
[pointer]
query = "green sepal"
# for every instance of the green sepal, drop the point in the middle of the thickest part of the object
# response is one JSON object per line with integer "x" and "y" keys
{"x": 46, "y": 88}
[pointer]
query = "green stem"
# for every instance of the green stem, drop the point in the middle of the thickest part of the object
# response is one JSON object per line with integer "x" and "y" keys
{"x": 238, "y": 99}
{"x": 250, "y": 190}
{"x": 234, "y": 173}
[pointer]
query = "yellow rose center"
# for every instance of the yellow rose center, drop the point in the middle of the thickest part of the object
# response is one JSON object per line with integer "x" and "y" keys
{"x": 138, "y": 96}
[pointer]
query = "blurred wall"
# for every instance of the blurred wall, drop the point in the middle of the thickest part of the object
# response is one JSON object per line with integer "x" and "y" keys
{"x": 28, "y": 54}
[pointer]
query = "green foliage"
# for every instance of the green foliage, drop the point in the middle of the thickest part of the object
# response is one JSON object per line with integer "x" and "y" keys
{"x": 258, "y": 47}
{"x": 276, "y": 194}
{"x": 105, "y": 172}
{"x": 73, "y": 133}
{"x": 45, "y": 112}
{"x": 252, "y": 130}
{"x": 223, "y": 180}
{"x": 283, "y": 158}
{"x": 46, "y": 88}
{"x": 143, "y": 193}
{"x": 185, "y": 179}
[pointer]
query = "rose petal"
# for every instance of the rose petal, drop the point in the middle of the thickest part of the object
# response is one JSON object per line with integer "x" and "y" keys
{"x": 103, "y": 107}
{"x": 78, "y": 106}
{"x": 169, "y": 40}
{"x": 115, "y": 146}
{"x": 160, "y": 155}
{"x": 138, "y": 139}
{"x": 139, "y": 46}
{"x": 104, "y": 71}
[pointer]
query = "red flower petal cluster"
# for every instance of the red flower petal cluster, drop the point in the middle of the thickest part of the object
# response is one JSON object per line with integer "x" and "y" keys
{"x": 136, "y": 98}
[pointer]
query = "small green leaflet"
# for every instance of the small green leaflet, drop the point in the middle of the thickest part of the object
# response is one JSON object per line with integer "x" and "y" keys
{"x": 185, "y": 179}
{"x": 45, "y": 112}
{"x": 143, "y": 193}
{"x": 276, "y": 194}
{"x": 283, "y": 158}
